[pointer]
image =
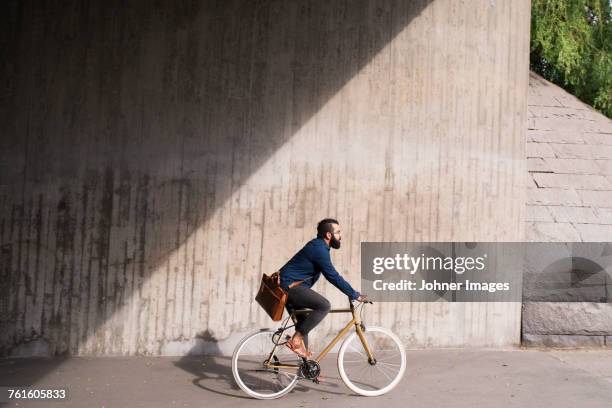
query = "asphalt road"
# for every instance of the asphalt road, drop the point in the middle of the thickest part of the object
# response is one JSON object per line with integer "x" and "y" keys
{"x": 435, "y": 378}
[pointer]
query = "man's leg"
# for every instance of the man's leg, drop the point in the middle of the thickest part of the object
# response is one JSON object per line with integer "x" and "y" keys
{"x": 300, "y": 319}
{"x": 303, "y": 297}
{"x": 299, "y": 323}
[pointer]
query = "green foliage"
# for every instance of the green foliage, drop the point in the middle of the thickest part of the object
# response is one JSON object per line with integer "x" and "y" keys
{"x": 571, "y": 45}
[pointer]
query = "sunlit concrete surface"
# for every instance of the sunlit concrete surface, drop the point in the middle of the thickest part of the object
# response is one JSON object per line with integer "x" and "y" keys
{"x": 434, "y": 378}
{"x": 157, "y": 159}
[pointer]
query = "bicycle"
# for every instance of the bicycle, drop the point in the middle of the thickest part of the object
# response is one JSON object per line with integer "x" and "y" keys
{"x": 371, "y": 360}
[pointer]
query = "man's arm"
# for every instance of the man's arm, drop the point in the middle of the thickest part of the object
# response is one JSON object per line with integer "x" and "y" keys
{"x": 323, "y": 261}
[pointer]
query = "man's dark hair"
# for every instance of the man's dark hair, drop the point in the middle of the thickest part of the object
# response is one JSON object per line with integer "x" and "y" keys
{"x": 324, "y": 226}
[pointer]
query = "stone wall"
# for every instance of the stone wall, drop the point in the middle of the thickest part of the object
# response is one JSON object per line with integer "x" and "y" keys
{"x": 568, "y": 294}
{"x": 569, "y": 199}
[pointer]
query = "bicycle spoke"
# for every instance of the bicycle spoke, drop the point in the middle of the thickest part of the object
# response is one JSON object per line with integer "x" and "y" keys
{"x": 358, "y": 351}
{"x": 390, "y": 370}
{"x": 385, "y": 374}
{"x": 387, "y": 364}
{"x": 380, "y": 376}
{"x": 394, "y": 357}
{"x": 256, "y": 379}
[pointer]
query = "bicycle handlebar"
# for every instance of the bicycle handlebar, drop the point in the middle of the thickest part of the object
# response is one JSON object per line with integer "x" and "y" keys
{"x": 365, "y": 301}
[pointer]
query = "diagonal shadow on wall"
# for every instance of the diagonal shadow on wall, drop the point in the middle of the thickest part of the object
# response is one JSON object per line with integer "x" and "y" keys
{"x": 126, "y": 126}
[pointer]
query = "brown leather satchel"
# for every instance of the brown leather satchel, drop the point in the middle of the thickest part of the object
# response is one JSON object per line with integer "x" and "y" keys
{"x": 272, "y": 297}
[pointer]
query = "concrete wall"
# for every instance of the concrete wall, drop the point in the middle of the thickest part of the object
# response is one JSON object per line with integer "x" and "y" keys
{"x": 157, "y": 158}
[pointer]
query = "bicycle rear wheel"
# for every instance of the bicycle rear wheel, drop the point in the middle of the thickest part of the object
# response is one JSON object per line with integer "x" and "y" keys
{"x": 376, "y": 377}
{"x": 250, "y": 371}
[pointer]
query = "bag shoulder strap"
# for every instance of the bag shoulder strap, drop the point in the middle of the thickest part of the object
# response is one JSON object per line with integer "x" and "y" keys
{"x": 296, "y": 283}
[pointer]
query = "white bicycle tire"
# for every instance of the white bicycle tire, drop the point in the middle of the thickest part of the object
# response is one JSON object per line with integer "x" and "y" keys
{"x": 241, "y": 383}
{"x": 390, "y": 386}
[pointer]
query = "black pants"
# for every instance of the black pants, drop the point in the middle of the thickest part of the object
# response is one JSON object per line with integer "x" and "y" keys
{"x": 301, "y": 297}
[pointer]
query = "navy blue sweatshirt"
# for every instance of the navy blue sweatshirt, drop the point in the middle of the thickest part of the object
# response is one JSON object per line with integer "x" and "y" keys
{"x": 309, "y": 263}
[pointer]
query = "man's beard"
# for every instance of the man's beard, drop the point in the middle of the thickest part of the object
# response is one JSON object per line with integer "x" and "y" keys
{"x": 334, "y": 243}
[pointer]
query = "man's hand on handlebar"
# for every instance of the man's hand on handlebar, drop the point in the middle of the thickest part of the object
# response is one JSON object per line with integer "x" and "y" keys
{"x": 363, "y": 299}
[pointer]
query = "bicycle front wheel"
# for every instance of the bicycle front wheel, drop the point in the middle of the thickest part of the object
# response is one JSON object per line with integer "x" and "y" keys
{"x": 258, "y": 372}
{"x": 372, "y": 377}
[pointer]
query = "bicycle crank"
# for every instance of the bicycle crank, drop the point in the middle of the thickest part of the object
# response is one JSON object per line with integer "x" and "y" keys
{"x": 310, "y": 369}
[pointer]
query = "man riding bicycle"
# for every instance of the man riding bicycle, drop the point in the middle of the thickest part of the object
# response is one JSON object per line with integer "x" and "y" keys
{"x": 307, "y": 265}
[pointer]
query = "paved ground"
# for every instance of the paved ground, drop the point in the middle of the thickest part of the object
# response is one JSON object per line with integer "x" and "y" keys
{"x": 435, "y": 378}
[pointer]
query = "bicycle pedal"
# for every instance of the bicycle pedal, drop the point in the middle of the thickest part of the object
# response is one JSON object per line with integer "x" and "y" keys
{"x": 320, "y": 379}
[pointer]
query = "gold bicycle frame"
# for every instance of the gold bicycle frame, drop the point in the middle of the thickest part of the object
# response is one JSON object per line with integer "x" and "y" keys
{"x": 354, "y": 322}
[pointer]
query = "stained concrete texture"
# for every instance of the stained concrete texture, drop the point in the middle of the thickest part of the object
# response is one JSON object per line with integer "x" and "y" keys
{"x": 158, "y": 158}
{"x": 435, "y": 378}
